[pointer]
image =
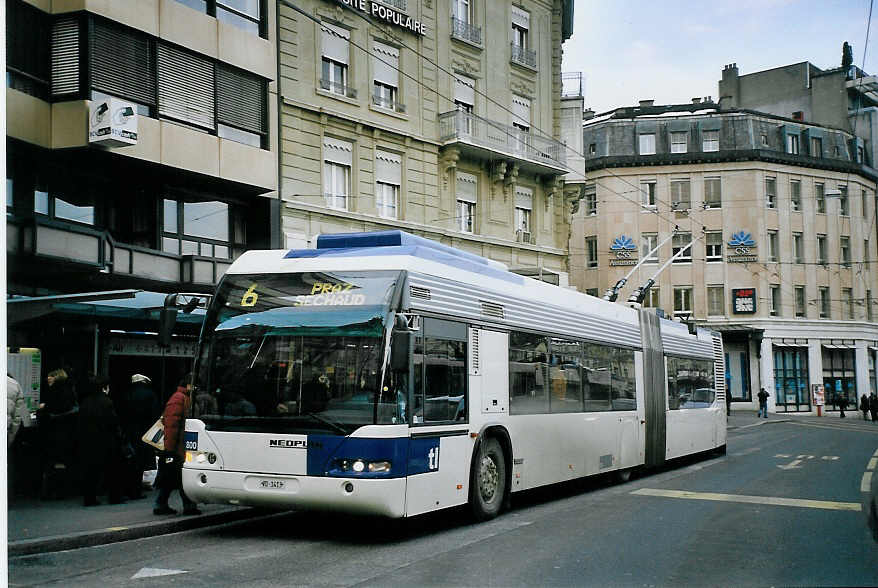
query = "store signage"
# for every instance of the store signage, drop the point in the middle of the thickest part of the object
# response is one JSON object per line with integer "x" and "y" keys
{"x": 743, "y": 300}
{"x": 742, "y": 248}
{"x": 112, "y": 122}
{"x": 380, "y": 11}
{"x": 624, "y": 251}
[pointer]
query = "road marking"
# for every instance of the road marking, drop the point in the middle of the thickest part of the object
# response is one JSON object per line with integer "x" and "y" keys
{"x": 155, "y": 572}
{"x": 768, "y": 500}
{"x": 783, "y": 455}
{"x": 793, "y": 465}
{"x": 830, "y": 458}
{"x": 872, "y": 463}
{"x": 116, "y": 529}
{"x": 866, "y": 483}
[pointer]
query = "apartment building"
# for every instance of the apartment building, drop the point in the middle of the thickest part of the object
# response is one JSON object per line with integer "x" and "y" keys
{"x": 439, "y": 117}
{"x": 774, "y": 218}
{"x": 141, "y": 155}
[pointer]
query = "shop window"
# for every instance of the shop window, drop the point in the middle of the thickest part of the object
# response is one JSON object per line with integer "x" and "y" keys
{"x": 839, "y": 375}
{"x": 791, "y": 379}
{"x": 196, "y": 228}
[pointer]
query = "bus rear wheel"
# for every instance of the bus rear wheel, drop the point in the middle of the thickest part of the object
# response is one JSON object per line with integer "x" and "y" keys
{"x": 488, "y": 480}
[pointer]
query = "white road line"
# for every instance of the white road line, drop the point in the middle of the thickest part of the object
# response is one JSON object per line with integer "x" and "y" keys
{"x": 768, "y": 500}
{"x": 872, "y": 463}
{"x": 866, "y": 483}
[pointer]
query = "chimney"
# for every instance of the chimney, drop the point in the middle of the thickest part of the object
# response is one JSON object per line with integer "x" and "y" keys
{"x": 587, "y": 114}
{"x": 696, "y": 101}
{"x": 646, "y": 103}
{"x": 729, "y": 87}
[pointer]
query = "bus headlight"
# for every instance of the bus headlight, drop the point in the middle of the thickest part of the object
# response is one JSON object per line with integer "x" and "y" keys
{"x": 379, "y": 466}
{"x": 362, "y": 466}
{"x": 200, "y": 457}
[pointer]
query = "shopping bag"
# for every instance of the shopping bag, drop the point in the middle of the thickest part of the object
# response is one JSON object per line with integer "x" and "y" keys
{"x": 149, "y": 478}
{"x": 155, "y": 436}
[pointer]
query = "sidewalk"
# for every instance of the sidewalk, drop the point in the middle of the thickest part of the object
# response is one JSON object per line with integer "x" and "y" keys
{"x": 40, "y": 526}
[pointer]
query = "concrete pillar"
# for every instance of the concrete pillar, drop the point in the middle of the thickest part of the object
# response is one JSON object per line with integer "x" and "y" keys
{"x": 766, "y": 373}
{"x": 861, "y": 365}
{"x": 815, "y": 366}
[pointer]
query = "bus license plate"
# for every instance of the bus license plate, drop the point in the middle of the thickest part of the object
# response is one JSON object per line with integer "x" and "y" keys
{"x": 272, "y": 484}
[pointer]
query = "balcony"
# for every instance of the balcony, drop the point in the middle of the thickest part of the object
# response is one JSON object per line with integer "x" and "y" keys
{"x": 337, "y": 88}
{"x": 487, "y": 139}
{"x": 387, "y": 104}
{"x": 81, "y": 247}
{"x": 460, "y": 29}
{"x": 523, "y": 56}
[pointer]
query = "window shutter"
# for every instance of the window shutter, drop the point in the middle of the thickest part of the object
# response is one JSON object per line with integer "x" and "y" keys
{"x": 520, "y": 18}
{"x": 521, "y": 110}
{"x": 388, "y": 168}
{"x": 467, "y": 185}
{"x": 338, "y": 151}
{"x": 385, "y": 62}
{"x": 122, "y": 63}
{"x": 185, "y": 87}
{"x": 524, "y": 197}
{"x": 240, "y": 99}
{"x": 335, "y": 43}
{"x": 65, "y": 56}
{"x": 464, "y": 89}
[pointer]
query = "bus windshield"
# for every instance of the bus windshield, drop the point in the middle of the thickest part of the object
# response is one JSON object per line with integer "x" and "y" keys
{"x": 296, "y": 353}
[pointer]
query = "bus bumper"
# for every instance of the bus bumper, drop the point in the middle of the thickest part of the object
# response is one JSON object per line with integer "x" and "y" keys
{"x": 354, "y": 495}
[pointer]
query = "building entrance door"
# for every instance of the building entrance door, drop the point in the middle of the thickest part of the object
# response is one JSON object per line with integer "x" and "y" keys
{"x": 791, "y": 392}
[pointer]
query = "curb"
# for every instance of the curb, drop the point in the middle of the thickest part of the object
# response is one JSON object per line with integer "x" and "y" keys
{"x": 762, "y": 422}
{"x": 117, "y": 534}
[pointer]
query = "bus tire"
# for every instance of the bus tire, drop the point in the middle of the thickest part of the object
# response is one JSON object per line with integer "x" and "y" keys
{"x": 488, "y": 480}
{"x": 623, "y": 475}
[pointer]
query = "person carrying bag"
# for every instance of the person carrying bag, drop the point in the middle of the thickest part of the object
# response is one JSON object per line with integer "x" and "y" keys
{"x": 170, "y": 476}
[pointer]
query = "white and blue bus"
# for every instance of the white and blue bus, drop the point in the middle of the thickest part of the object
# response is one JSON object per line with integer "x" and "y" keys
{"x": 388, "y": 374}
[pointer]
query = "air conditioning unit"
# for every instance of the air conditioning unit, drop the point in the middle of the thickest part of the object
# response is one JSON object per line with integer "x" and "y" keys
{"x": 523, "y": 236}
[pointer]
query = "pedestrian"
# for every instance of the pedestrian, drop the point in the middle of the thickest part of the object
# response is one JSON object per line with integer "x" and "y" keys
{"x": 763, "y": 404}
{"x": 864, "y": 406}
{"x": 143, "y": 409}
{"x": 873, "y": 407}
{"x": 842, "y": 404}
{"x": 728, "y": 403}
{"x": 101, "y": 443}
{"x": 56, "y": 420}
{"x": 170, "y": 475}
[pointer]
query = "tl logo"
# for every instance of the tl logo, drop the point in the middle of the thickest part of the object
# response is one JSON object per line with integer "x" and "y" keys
{"x": 433, "y": 458}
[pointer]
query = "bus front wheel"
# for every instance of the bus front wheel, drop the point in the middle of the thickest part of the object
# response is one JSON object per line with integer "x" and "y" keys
{"x": 488, "y": 480}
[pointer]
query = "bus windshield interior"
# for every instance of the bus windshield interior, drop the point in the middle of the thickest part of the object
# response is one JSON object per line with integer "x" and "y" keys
{"x": 296, "y": 353}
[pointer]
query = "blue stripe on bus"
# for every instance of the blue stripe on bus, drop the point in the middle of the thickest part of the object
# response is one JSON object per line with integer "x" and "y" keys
{"x": 407, "y": 457}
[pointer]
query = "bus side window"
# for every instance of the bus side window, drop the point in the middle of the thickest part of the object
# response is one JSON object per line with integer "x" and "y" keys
{"x": 440, "y": 379}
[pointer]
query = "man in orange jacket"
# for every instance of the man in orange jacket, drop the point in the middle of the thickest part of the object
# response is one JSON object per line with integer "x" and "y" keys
{"x": 170, "y": 476}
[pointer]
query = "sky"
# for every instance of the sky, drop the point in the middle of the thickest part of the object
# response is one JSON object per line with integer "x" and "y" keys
{"x": 672, "y": 51}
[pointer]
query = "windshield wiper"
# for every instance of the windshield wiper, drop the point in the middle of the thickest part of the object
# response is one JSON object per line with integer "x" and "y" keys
{"x": 327, "y": 422}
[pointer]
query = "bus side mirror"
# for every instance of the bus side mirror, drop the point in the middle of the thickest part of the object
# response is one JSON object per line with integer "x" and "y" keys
{"x": 167, "y": 320}
{"x": 401, "y": 351}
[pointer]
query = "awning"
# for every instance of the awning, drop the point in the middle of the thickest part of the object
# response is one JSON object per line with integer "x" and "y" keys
{"x": 834, "y": 346}
{"x": 123, "y": 304}
{"x": 781, "y": 344}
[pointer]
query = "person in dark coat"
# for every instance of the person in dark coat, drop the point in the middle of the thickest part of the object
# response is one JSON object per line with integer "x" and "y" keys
{"x": 864, "y": 406}
{"x": 100, "y": 443}
{"x": 873, "y": 407}
{"x": 842, "y": 404}
{"x": 143, "y": 410}
{"x": 56, "y": 420}
{"x": 170, "y": 476}
{"x": 763, "y": 404}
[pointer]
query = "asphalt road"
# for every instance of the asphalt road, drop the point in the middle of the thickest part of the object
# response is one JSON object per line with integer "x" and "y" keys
{"x": 781, "y": 508}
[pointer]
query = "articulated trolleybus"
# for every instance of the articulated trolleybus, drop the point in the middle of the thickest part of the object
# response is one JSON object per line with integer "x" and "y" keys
{"x": 388, "y": 374}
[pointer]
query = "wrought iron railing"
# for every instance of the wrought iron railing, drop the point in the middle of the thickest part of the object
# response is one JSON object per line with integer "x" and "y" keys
{"x": 337, "y": 88}
{"x": 398, "y": 4}
{"x": 465, "y": 126}
{"x": 524, "y": 56}
{"x": 383, "y": 102}
{"x": 465, "y": 31}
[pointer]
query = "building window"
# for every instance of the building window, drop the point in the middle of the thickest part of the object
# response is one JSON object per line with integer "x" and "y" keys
{"x": 592, "y": 148}
{"x": 798, "y": 248}
{"x": 712, "y": 193}
{"x": 683, "y": 301}
{"x": 462, "y": 10}
{"x": 337, "y": 162}
{"x": 591, "y": 200}
{"x": 844, "y": 247}
{"x": 467, "y": 193}
{"x": 647, "y": 194}
{"x": 714, "y": 246}
{"x": 647, "y": 144}
{"x": 386, "y": 199}
{"x": 800, "y": 301}
{"x": 844, "y": 206}
{"x": 524, "y": 198}
{"x": 78, "y": 207}
{"x": 521, "y": 51}
{"x": 715, "y": 301}
{"x": 681, "y": 242}
{"x": 710, "y": 140}
{"x": 679, "y": 142}
{"x": 869, "y": 315}
{"x": 591, "y": 252}
{"x": 648, "y": 242}
{"x": 821, "y": 249}
{"x": 763, "y": 140}
{"x": 860, "y": 153}
{"x": 847, "y": 301}
{"x": 385, "y": 67}
{"x": 244, "y": 14}
{"x": 816, "y": 147}
{"x": 820, "y": 197}
{"x": 464, "y": 99}
{"x": 793, "y": 144}
{"x": 521, "y": 122}
{"x": 680, "y": 195}
{"x": 388, "y": 179}
{"x": 796, "y": 195}
{"x": 27, "y": 49}
{"x": 864, "y": 199}
{"x": 335, "y": 59}
{"x": 652, "y": 298}
{"x": 196, "y": 228}
{"x": 772, "y": 246}
{"x": 825, "y": 309}
{"x": 770, "y": 193}
{"x": 462, "y": 19}
{"x": 774, "y": 300}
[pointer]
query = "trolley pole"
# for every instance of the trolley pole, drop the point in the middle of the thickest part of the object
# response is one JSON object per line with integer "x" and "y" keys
{"x": 636, "y": 298}
{"x": 613, "y": 293}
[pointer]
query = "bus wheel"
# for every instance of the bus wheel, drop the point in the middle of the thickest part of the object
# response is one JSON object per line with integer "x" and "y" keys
{"x": 488, "y": 480}
{"x": 623, "y": 475}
